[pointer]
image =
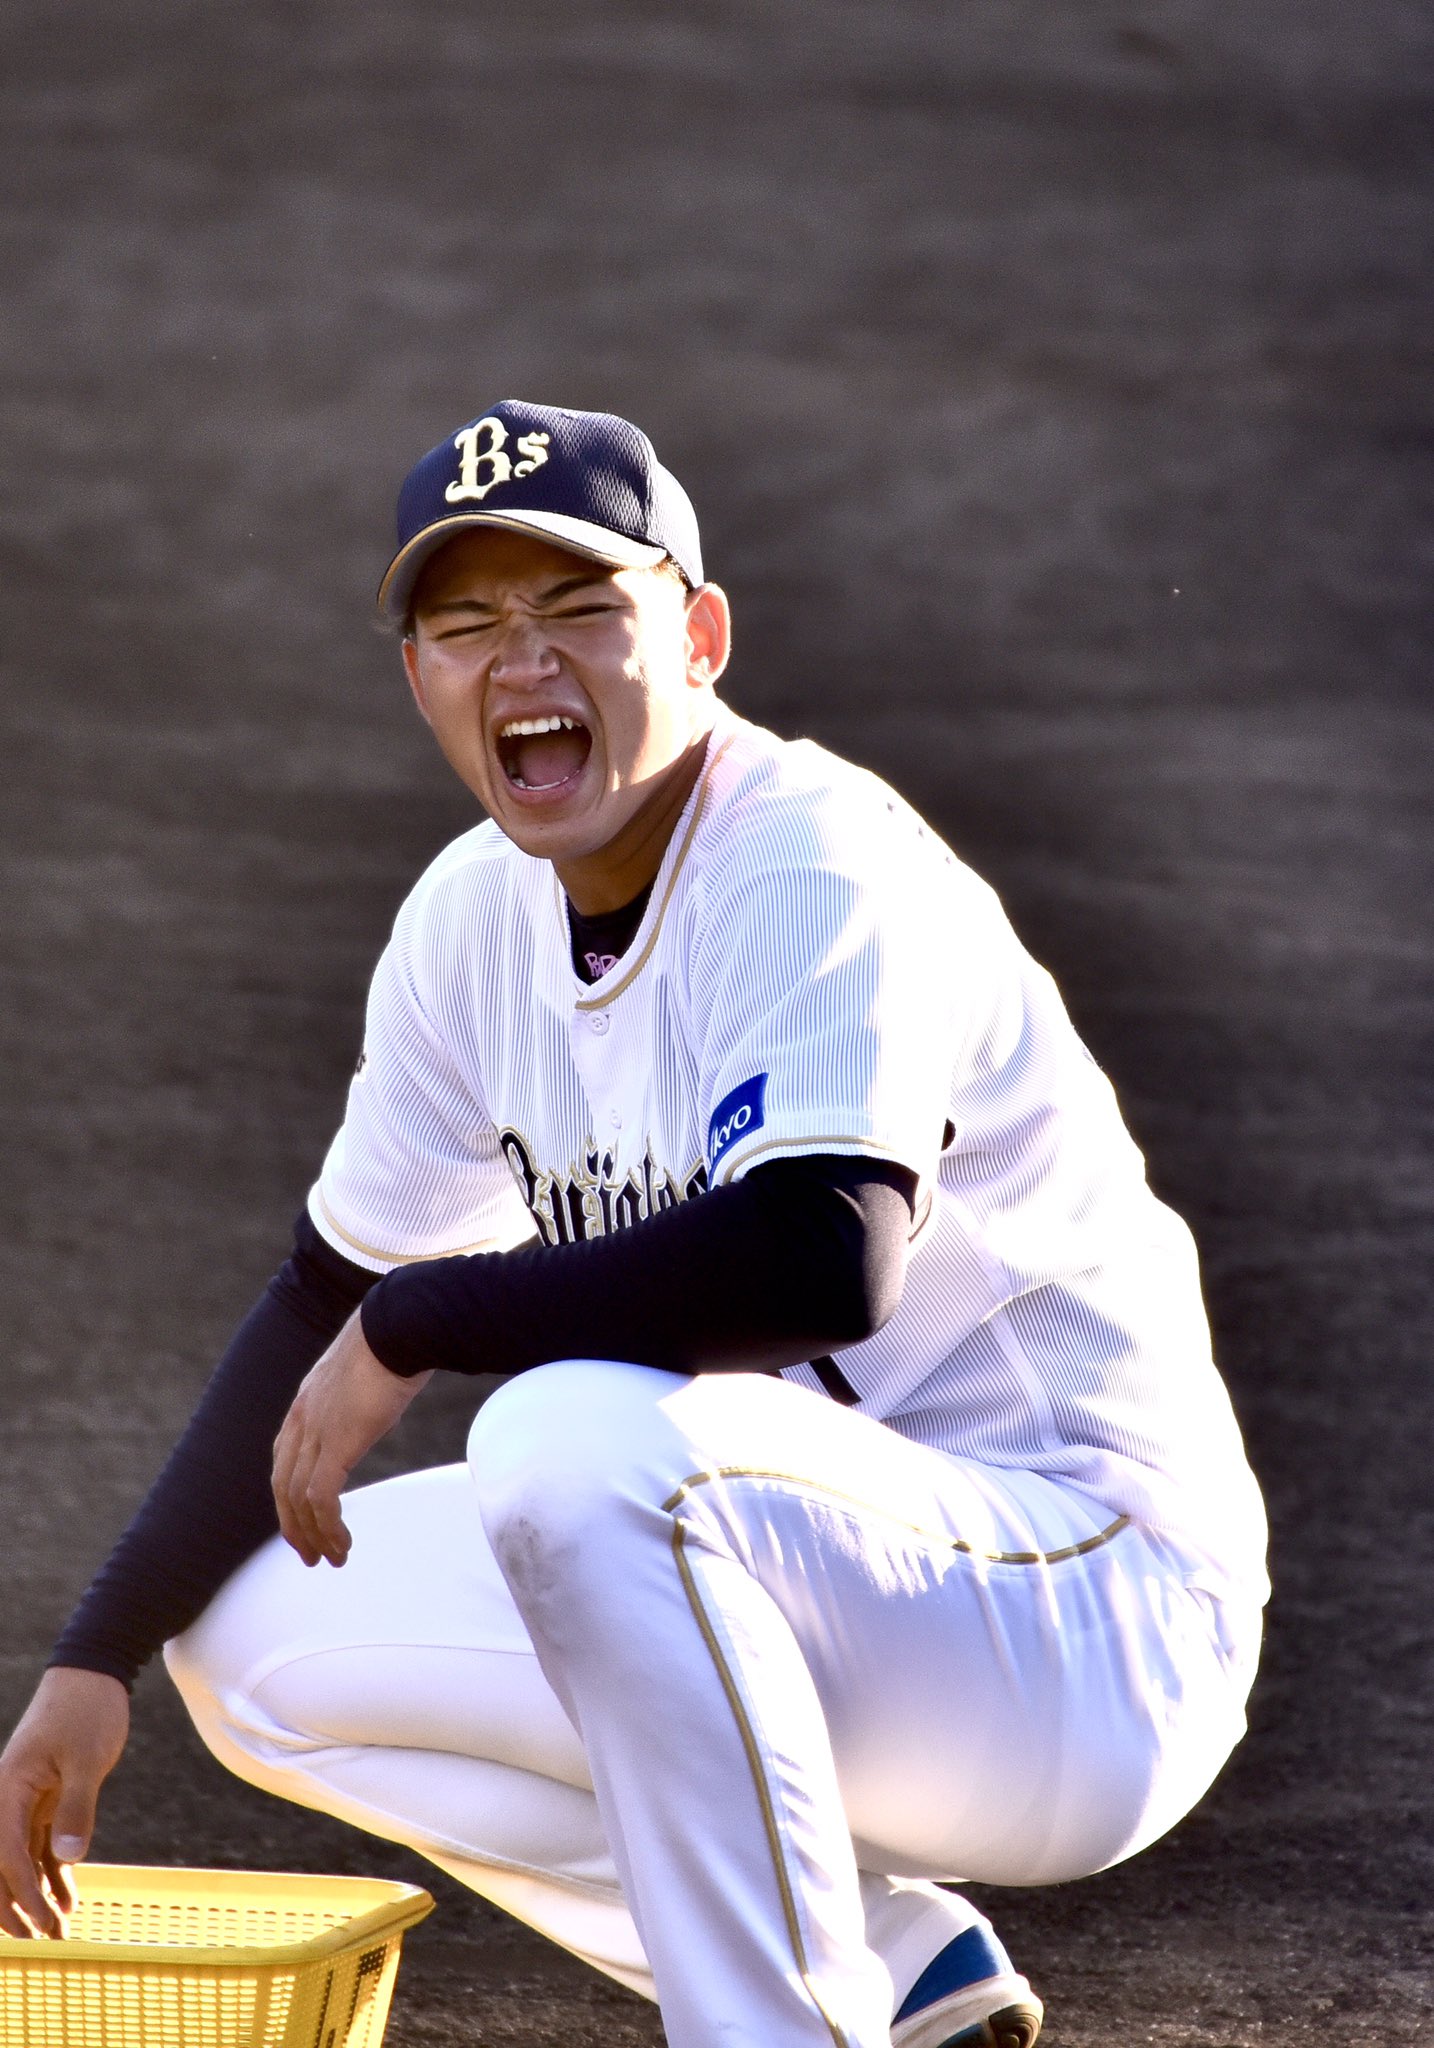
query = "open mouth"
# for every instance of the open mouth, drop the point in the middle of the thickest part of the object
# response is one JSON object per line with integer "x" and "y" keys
{"x": 543, "y": 753}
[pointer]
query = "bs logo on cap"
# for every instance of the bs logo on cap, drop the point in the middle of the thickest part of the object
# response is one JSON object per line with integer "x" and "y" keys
{"x": 470, "y": 481}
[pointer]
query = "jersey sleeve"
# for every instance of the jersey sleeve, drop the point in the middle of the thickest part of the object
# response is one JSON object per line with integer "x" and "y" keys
{"x": 415, "y": 1171}
{"x": 825, "y": 1000}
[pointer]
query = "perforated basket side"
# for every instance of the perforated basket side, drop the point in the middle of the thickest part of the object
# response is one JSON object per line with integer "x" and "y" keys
{"x": 211, "y": 1959}
{"x": 345, "y": 2000}
{"x": 340, "y": 2001}
{"x": 217, "y": 1922}
{"x": 126, "y": 2005}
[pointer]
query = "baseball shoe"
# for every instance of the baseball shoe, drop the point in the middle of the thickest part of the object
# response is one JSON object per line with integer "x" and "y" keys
{"x": 969, "y": 1996}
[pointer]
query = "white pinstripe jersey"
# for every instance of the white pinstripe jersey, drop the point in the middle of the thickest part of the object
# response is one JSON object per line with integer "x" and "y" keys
{"x": 815, "y": 973}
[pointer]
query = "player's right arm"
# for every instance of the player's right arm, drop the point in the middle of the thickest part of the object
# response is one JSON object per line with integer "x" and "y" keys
{"x": 213, "y": 1504}
{"x": 210, "y": 1507}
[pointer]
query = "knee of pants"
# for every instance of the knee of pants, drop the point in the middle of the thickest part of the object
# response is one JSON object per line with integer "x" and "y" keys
{"x": 195, "y": 1683}
{"x": 206, "y": 1683}
{"x": 568, "y": 1461}
{"x": 270, "y": 1607}
{"x": 202, "y": 1665}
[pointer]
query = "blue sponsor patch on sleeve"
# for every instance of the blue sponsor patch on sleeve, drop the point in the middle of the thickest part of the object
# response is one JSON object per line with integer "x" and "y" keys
{"x": 737, "y": 1115}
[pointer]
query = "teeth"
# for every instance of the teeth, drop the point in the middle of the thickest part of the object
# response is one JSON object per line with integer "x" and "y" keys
{"x": 525, "y": 728}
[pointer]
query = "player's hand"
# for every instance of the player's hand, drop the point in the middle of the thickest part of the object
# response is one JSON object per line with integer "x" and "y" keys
{"x": 341, "y": 1410}
{"x": 68, "y": 1741}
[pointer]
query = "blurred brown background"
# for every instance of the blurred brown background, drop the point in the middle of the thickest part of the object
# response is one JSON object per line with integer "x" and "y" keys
{"x": 1054, "y": 386}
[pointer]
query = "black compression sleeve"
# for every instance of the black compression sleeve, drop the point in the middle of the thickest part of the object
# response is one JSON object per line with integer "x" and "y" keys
{"x": 797, "y": 1259}
{"x": 211, "y": 1506}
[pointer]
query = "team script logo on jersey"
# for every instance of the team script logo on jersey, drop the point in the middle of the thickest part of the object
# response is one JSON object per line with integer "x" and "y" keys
{"x": 483, "y": 462}
{"x": 589, "y": 1198}
{"x": 736, "y": 1114}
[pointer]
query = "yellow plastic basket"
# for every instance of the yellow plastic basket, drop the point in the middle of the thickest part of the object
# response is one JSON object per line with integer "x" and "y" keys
{"x": 211, "y": 1959}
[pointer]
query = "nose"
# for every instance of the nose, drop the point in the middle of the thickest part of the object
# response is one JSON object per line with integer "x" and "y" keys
{"x": 524, "y": 654}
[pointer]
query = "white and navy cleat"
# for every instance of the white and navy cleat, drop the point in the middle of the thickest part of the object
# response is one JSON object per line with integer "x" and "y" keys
{"x": 969, "y": 1996}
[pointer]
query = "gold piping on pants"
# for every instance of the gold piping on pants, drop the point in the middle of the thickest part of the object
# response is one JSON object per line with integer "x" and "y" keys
{"x": 734, "y": 1696}
{"x": 759, "y": 1779}
{"x": 958, "y": 1543}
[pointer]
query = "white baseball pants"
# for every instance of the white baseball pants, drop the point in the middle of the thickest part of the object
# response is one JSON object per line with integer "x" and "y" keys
{"x": 705, "y": 1677}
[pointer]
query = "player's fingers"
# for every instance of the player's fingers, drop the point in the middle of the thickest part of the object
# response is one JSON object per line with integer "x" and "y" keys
{"x": 67, "y": 1838}
{"x": 59, "y": 1878}
{"x": 324, "y": 1517}
{"x": 24, "y": 1909}
{"x": 13, "y": 1920}
{"x": 290, "y": 1484}
{"x": 295, "y": 1454}
{"x": 53, "y": 1875}
{"x": 307, "y": 1495}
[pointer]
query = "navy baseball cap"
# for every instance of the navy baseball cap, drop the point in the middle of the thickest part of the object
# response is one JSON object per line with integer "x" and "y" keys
{"x": 586, "y": 481}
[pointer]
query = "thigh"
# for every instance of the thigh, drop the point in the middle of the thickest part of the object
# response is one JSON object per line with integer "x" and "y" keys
{"x": 414, "y": 1643}
{"x": 1018, "y": 1684}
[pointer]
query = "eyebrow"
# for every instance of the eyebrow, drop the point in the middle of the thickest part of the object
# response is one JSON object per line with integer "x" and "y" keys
{"x": 584, "y": 581}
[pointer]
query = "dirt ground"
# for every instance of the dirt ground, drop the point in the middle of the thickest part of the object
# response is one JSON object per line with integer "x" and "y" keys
{"x": 1054, "y": 386}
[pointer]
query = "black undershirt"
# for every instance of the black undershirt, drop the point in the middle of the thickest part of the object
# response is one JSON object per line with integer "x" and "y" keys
{"x": 798, "y": 1259}
{"x": 599, "y": 942}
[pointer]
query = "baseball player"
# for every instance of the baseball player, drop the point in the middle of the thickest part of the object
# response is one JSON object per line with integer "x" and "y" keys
{"x": 860, "y": 1510}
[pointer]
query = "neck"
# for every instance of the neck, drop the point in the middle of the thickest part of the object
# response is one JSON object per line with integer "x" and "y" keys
{"x": 620, "y": 871}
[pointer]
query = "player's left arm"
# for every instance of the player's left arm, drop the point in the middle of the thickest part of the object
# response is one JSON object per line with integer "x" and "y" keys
{"x": 799, "y": 1260}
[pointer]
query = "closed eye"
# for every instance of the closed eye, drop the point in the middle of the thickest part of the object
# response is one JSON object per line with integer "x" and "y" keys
{"x": 558, "y": 614}
{"x": 465, "y": 631}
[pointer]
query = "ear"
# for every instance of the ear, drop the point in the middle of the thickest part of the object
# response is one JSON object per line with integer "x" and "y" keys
{"x": 414, "y": 673}
{"x": 709, "y": 634}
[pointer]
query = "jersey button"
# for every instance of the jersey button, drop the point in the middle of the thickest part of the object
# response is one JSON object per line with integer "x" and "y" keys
{"x": 600, "y": 1022}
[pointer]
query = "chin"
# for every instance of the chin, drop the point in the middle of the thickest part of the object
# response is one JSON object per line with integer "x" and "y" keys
{"x": 554, "y": 839}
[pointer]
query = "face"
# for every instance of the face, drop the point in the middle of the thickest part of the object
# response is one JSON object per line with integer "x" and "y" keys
{"x": 573, "y": 700}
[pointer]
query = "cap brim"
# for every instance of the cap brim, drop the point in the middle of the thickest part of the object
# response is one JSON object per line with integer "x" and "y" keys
{"x": 578, "y": 536}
